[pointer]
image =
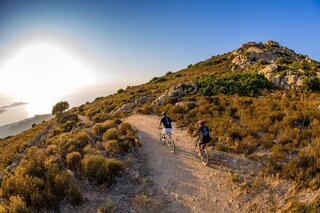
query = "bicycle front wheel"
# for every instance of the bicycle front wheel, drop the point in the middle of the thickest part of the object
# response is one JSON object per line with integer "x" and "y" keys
{"x": 171, "y": 145}
{"x": 205, "y": 157}
{"x": 162, "y": 138}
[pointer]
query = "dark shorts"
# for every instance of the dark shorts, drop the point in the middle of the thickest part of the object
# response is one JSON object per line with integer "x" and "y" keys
{"x": 203, "y": 142}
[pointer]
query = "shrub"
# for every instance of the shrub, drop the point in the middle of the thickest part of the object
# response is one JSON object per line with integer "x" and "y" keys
{"x": 95, "y": 168}
{"x": 114, "y": 167}
{"x": 3, "y": 208}
{"x": 111, "y": 134}
{"x": 245, "y": 84}
{"x": 89, "y": 149}
{"x": 112, "y": 146}
{"x": 98, "y": 129}
{"x": 74, "y": 159}
{"x": 17, "y": 205}
{"x": 70, "y": 117}
{"x": 158, "y": 80}
{"x": 124, "y": 127}
{"x": 108, "y": 124}
{"x": 120, "y": 90}
{"x": 311, "y": 83}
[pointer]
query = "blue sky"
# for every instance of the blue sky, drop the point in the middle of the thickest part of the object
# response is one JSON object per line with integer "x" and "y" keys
{"x": 136, "y": 40}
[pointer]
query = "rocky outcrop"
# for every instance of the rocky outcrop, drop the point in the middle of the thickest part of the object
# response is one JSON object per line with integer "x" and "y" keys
{"x": 288, "y": 80}
{"x": 269, "y": 70}
{"x": 252, "y": 52}
{"x": 176, "y": 92}
{"x": 141, "y": 100}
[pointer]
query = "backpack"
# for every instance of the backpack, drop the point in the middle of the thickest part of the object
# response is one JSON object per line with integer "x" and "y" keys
{"x": 206, "y": 134}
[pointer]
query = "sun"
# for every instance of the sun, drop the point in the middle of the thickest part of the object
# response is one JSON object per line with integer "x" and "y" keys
{"x": 40, "y": 73}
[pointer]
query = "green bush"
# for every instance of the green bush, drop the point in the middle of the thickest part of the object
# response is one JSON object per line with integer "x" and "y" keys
{"x": 98, "y": 129}
{"x": 311, "y": 84}
{"x": 74, "y": 159}
{"x": 17, "y": 205}
{"x": 245, "y": 84}
{"x": 114, "y": 167}
{"x": 120, "y": 90}
{"x": 101, "y": 170}
{"x": 124, "y": 128}
{"x": 111, "y": 134}
{"x": 112, "y": 146}
{"x": 95, "y": 168}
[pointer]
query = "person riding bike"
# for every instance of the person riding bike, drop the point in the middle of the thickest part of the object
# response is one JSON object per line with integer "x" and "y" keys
{"x": 203, "y": 135}
{"x": 166, "y": 121}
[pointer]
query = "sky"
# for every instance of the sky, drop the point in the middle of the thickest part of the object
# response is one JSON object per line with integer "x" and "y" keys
{"x": 126, "y": 42}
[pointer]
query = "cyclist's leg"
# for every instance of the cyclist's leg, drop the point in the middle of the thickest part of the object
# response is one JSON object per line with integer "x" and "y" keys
{"x": 169, "y": 132}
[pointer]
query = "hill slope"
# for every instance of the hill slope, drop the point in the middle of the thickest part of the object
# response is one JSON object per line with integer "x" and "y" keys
{"x": 260, "y": 102}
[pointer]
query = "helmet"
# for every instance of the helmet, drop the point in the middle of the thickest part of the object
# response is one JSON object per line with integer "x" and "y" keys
{"x": 202, "y": 121}
{"x": 164, "y": 113}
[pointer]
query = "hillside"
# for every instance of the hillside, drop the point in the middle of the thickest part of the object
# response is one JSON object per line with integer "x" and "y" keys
{"x": 20, "y": 126}
{"x": 260, "y": 102}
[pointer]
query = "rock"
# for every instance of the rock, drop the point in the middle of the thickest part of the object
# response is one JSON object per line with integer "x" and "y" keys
{"x": 141, "y": 100}
{"x": 127, "y": 106}
{"x": 272, "y": 43}
{"x": 269, "y": 69}
{"x": 177, "y": 91}
{"x": 69, "y": 117}
{"x": 186, "y": 103}
{"x": 235, "y": 68}
{"x": 292, "y": 79}
{"x": 276, "y": 80}
{"x": 251, "y": 52}
{"x": 248, "y": 44}
{"x": 300, "y": 81}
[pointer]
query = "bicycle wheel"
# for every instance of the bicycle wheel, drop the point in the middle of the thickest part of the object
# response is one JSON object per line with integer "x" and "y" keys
{"x": 171, "y": 145}
{"x": 204, "y": 157}
{"x": 162, "y": 138}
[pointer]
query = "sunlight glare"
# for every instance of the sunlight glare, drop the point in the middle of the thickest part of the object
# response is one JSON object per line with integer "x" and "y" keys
{"x": 40, "y": 73}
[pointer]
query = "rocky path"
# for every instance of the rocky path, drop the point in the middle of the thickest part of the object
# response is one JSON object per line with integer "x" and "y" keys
{"x": 183, "y": 178}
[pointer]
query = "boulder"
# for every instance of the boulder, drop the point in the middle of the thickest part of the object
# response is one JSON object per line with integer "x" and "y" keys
{"x": 249, "y": 44}
{"x": 141, "y": 100}
{"x": 269, "y": 69}
{"x": 276, "y": 80}
{"x": 127, "y": 106}
{"x": 177, "y": 91}
{"x": 272, "y": 43}
{"x": 184, "y": 103}
{"x": 300, "y": 81}
{"x": 292, "y": 79}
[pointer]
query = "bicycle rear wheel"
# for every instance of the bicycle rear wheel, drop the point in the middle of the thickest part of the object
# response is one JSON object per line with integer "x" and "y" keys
{"x": 205, "y": 157}
{"x": 171, "y": 145}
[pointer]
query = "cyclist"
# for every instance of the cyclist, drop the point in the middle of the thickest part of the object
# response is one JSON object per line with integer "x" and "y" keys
{"x": 166, "y": 121}
{"x": 203, "y": 135}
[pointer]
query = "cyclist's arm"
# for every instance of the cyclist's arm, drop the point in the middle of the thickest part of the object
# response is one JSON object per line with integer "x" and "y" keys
{"x": 195, "y": 133}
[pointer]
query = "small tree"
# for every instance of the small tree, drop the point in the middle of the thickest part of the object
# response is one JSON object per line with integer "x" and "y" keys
{"x": 59, "y": 108}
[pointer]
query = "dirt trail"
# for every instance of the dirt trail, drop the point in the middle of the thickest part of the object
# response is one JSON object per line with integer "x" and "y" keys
{"x": 182, "y": 177}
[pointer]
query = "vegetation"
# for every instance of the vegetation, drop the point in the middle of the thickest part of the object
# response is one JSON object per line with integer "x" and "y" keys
{"x": 245, "y": 84}
{"x": 50, "y": 172}
{"x": 59, "y": 108}
{"x": 312, "y": 83}
{"x": 245, "y": 112}
{"x": 12, "y": 146}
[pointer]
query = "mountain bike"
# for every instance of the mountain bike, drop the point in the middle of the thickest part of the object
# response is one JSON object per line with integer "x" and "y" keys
{"x": 166, "y": 139}
{"x": 204, "y": 156}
